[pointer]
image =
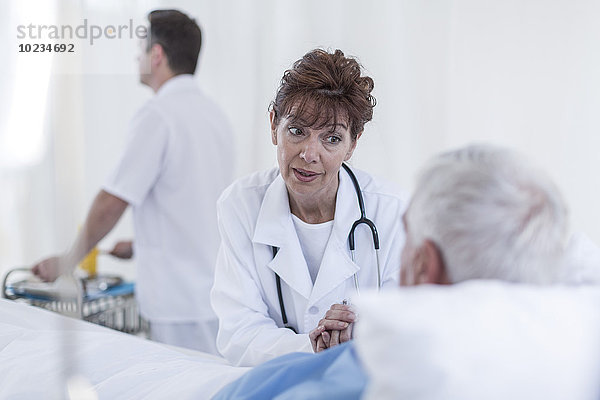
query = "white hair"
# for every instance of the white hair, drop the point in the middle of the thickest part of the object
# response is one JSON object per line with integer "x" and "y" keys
{"x": 492, "y": 216}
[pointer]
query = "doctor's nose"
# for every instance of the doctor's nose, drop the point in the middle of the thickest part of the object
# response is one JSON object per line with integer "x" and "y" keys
{"x": 310, "y": 152}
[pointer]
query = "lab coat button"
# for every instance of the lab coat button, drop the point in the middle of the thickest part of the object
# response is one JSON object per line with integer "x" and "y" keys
{"x": 313, "y": 310}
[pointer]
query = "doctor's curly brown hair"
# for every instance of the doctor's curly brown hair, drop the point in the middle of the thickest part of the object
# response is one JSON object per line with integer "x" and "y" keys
{"x": 323, "y": 88}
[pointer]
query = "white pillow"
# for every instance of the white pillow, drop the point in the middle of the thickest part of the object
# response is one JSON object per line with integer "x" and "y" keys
{"x": 481, "y": 340}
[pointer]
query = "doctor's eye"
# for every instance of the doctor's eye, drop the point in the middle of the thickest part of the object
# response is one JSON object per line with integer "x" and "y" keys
{"x": 333, "y": 139}
{"x": 295, "y": 131}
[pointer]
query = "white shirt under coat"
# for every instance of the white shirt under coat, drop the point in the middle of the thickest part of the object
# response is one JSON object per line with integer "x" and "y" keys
{"x": 313, "y": 240}
{"x": 254, "y": 216}
{"x": 177, "y": 162}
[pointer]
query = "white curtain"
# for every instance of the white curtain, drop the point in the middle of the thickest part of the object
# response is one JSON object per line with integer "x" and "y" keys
{"x": 25, "y": 169}
{"x": 517, "y": 73}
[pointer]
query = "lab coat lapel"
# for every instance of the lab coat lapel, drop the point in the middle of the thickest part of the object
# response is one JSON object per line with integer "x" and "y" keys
{"x": 274, "y": 227}
{"x": 337, "y": 265}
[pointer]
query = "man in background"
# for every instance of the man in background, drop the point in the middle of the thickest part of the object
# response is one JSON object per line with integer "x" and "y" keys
{"x": 177, "y": 161}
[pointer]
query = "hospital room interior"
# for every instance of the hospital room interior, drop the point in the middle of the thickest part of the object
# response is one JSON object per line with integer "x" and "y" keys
{"x": 519, "y": 79}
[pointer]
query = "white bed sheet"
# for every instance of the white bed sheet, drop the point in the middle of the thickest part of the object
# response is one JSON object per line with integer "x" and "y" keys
{"x": 477, "y": 340}
{"x": 39, "y": 350}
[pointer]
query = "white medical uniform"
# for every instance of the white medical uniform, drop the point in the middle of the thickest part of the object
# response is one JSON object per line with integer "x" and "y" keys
{"x": 177, "y": 162}
{"x": 254, "y": 215}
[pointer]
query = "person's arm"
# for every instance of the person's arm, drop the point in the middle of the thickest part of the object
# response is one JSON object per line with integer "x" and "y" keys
{"x": 102, "y": 217}
{"x": 122, "y": 249}
{"x": 247, "y": 334}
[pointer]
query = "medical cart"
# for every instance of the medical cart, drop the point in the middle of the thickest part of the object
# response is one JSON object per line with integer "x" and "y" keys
{"x": 105, "y": 300}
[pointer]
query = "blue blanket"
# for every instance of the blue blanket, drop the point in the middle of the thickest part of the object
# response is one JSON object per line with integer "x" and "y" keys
{"x": 332, "y": 374}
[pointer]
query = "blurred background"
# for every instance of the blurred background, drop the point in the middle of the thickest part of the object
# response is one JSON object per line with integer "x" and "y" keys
{"x": 519, "y": 73}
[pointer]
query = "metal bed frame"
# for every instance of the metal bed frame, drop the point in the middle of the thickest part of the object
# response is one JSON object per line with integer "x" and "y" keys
{"x": 114, "y": 307}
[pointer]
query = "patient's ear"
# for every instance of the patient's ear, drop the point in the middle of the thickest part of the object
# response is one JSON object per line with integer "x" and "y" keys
{"x": 431, "y": 265}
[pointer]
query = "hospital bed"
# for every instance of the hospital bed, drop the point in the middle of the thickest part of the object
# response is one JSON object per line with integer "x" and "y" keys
{"x": 47, "y": 355}
{"x": 467, "y": 341}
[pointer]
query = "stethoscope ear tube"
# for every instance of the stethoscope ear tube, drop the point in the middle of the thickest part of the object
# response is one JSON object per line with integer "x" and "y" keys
{"x": 363, "y": 215}
{"x": 374, "y": 233}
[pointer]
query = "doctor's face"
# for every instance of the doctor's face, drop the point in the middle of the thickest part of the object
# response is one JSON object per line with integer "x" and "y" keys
{"x": 310, "y": 157}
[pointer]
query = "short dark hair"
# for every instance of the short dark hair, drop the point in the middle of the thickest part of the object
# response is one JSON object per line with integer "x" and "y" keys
{"x": 321, "y": 86}
{"x": 179, "y": 36}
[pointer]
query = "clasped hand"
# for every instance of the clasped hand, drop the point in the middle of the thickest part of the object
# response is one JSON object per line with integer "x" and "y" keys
{"x": 334, "y": 328}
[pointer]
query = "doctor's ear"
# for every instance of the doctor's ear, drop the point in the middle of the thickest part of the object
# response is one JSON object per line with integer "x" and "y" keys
{"x": 273, "y": 127}
{"x": 352, "y": 147}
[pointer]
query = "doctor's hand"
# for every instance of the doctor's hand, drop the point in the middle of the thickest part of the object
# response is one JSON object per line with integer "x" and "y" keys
{"x": 49, "y": 269}
{"x": 319, "y": 339}
{"x": 335, "y": 327}
{"x": 334, "y": 320}
{"x": 316, "y": 339}
{"x": 122, "y": 249}
{"x": 339, "y": 337}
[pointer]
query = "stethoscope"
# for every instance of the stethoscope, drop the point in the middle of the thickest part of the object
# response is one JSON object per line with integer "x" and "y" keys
{"x": 351, "y": 243}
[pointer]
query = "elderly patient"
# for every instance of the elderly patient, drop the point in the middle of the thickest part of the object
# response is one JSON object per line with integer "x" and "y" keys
{"x": 480, "y": 212}
{"x": 484, "y": 213}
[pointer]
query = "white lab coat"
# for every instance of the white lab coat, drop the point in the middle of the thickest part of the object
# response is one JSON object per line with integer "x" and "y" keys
{"x": 254, "y": 215}
{"x": 177, "y": 162}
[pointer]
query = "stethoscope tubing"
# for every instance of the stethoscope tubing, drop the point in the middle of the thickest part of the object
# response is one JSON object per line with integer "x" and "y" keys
{"x": 351, "y": 244}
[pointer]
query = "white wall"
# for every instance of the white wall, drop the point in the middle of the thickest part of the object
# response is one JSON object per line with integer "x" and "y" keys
{"x": 518, "y": 73}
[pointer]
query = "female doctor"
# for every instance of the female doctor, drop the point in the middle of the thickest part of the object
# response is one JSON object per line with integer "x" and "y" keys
{"x": 284, "y": 259}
